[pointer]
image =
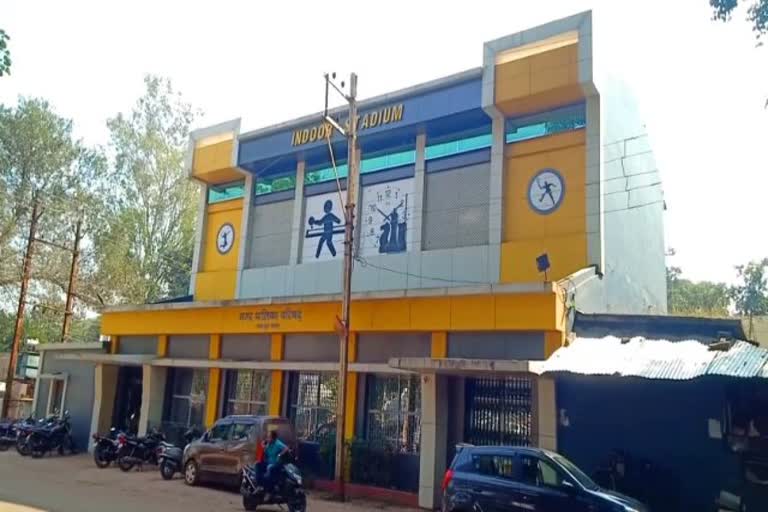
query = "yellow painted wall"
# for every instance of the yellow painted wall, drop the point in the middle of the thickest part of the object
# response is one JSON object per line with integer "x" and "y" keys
{"x": 519, "y": 311}
{"x": 212, "y": 160}
{"x": 562, "y": 233}
{"x": 218, "y": 278}
{"x": 539, "y": 81}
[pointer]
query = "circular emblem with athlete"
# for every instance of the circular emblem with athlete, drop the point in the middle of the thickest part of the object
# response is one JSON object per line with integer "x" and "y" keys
{"x": 546, "y": 191}
{"x": 225, "y": 238}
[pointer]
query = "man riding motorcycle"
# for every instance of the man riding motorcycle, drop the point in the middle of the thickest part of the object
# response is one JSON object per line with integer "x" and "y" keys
{"x": 273, "y": 449}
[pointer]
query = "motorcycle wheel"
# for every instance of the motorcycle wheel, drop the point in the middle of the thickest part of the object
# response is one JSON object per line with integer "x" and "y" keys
{"x": 4, "y": 446}
{"x": 124, "y": 464}
{"x": 191, "y": 473}
{"x": 250, "y": 502}
{"x": 37, "y": 448}
{"x": 167, "y": 469}
{"x": 100, "y": 457}
{"x": 22, "y": 446}
{"x": 299, "y": 505}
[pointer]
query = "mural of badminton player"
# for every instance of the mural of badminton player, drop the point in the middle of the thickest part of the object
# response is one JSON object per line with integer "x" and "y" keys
{"x": 392, "y": 238}
{"x": 327, "y": 221}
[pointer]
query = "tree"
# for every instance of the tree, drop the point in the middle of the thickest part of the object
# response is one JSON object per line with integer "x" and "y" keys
{"x": 704, "y": 298}
{"x": 5, "y": 54}
{"x": 144, "y": 246}
{"x": 757, "y": 13}
{"x": 39, "y": 157}
{"x": 750, "y": 297}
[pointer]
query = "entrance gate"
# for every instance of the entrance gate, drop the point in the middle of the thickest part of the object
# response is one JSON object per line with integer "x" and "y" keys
{"x": 499, "y": 411}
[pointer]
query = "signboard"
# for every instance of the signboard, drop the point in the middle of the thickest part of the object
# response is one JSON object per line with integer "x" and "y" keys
{"x": 385, "y": 217}
{"x": 267, "y": 319}
{"x": 323, "y": 228}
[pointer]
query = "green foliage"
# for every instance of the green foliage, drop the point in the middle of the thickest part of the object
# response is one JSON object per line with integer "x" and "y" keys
{"x": 136, "y": 202}
{"x": 144, "y": 245}
{"x": 704, "y": 298}
{"x": 757, "y": 13}
{"x": 750, "y": 296}
{"x": 5, "y": 54}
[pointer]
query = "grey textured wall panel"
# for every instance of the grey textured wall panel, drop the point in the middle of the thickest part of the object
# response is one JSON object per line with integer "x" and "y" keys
{"x": 519, "y": 346}
{"x": 456, "y": 208}
{"x": 188, "y": 347}
{"x": 311, "y": 348}
{"x": 246, "y": 347}
{"x": 633, "y": 238}
{"x": 137, "y": 345}
{"x": 270, "y": 234}
{"x": 79, "y": 398}
{"x": 378, "y": 348}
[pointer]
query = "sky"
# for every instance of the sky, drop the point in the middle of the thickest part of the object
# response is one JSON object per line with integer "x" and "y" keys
{"x": 701, "y": 85}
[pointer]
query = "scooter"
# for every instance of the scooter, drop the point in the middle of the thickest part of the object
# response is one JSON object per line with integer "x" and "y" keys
{"x": 171, "y": 455}
{"x": 288, "y": 488}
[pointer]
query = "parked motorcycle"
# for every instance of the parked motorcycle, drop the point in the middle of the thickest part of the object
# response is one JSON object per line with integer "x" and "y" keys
{"x": 133, "y": 451}
{"x": 288, "y": 486}
{"x": 171, "y": 455}
{"x": 105, "y": 448}
{"x": 9, "y": 431}
{"x": 55, "y": 435}
{"x": 24, "y": 428}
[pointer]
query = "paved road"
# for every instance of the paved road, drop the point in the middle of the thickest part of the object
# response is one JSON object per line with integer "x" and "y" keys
{"x": 75, "y": 484}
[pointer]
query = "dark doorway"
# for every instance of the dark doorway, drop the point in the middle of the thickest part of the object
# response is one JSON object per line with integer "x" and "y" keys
{"x": 128, "y": 399}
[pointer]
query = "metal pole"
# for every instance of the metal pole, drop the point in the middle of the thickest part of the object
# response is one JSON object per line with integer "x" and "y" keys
{"x": 19, "y": 328}
{"x": 68, "y": 308}
{"x": 346, "y": 284}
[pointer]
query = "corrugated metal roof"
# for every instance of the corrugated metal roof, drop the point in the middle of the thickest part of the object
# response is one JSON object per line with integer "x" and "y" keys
{"x": 657, "y": 359}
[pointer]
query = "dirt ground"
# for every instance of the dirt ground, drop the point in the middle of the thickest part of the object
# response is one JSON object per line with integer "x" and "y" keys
{"x": 75, "y": 484}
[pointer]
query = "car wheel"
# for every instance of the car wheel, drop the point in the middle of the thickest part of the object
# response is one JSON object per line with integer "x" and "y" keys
{"x": 191, "y": 473}
{"x": 167, "y": 470}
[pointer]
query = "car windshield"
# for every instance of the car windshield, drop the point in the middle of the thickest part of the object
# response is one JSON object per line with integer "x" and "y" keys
{"x": 578, "y": 474}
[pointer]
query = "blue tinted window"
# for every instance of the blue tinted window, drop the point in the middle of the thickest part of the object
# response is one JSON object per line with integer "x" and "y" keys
{"x": 389, "y": 161}
{"x": 458, "y": 146}
{"x": 367, "y": 165}
{"x": 275, "y": 184}
{"x": 226, "y": 192}
{"x": 325, "y": 174}
{"x": 549, "y": 123}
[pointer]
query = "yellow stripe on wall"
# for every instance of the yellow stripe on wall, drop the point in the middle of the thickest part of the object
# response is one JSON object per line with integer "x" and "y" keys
{"x": 212, "y": 400}
{"x": 162, "y": 345}
{"x": 276, "y": 351}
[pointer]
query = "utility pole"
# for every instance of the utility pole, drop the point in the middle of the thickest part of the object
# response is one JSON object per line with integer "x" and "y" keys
{"x": 68, "y": 308}
{"x": 346, "y": 286}
{"x": 19, "y": 328}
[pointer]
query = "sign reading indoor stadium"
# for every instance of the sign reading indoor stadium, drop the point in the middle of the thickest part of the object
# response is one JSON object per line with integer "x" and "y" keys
{"x": 379, "y": 117}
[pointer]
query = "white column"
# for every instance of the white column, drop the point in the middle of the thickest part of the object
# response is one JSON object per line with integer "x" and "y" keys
{"x": 546, "y": 414}
{"x": 434, "y": 431}
{"x": 419, "y": 180}
{"x": 202, "y": 219}
{"x": 104, "y": 386}
{"x": 152, "y": 393}
{"x": 244, "y": 253}
{"x": 298, "y": 207}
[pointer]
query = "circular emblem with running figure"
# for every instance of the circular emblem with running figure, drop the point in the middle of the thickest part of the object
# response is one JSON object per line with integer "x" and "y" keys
{"x": 546, "y": 191}
{"x": 225, "y": 238}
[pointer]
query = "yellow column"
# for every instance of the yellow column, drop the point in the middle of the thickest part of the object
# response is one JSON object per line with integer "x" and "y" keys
{"x": 440, "y": 344}
{"x": 162, "y": 345}
{"x": 276, "y": 385}
{"x": 350, "y": 407}
{"x": 214, "y": 381}
{"x": 553, "y": 340}
{"x": 114, "y": 344}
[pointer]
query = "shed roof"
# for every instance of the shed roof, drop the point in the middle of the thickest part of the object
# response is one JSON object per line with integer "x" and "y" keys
{"x": 672, "y": 328}
{"x": 657, "y": 359}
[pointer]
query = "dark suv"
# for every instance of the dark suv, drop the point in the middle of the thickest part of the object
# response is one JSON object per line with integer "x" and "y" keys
{"x": 496, "y": 478}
